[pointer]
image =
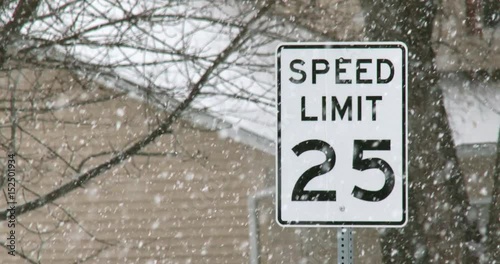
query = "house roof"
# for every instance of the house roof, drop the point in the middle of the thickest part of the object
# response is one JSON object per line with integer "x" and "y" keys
{"x": 200, "y": 118}
{"x": 473, "y": 112}
{"x": 473, "y": 109}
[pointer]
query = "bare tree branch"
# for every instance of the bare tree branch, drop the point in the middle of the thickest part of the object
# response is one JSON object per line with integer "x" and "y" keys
{"x": 23, "y": 12}
{"x": 21, "y": 254}
{"x": 163, "y": 128}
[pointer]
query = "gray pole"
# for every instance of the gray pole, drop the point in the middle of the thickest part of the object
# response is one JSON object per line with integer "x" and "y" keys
{"x": 253, "y": 224}
{"x": 345, "y": 246}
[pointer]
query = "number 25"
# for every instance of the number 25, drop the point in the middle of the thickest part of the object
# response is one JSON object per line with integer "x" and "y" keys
{"x": 358, "y": 163}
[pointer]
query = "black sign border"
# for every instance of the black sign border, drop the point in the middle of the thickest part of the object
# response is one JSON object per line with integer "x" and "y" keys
{"x": 379, "y": 45}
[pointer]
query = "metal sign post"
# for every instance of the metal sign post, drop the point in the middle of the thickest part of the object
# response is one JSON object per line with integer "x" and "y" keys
{"x": 345, "y": 246}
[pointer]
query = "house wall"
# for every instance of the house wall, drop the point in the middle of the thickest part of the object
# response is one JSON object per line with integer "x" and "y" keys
{"x": 478, "y": 165}
{"x": 311, "y": 245}
{"x": 184, "y": 203}
{"x": 186, "y": 206}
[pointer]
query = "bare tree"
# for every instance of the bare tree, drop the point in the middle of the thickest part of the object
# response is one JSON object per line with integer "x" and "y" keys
{"x": 199, "y": 56}
{"x": 438, "y": 227}
{"x": 439, "y": 204}
{"x": 180, "y": 57}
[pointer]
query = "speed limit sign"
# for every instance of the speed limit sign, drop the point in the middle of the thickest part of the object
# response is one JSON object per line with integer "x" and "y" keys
{"x": 342, "y": 134}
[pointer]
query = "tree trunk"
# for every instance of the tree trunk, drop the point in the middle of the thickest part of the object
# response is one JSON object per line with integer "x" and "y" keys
{"x": 437, "y": 228}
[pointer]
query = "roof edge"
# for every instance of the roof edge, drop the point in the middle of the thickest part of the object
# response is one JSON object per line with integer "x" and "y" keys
{"x": 113, "y": 81}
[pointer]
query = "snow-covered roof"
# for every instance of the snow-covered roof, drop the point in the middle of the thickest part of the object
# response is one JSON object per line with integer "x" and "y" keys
{"x": 200, "y": 118}
{"x": 473, "y": 112}
{"x": 473, "y": 108}
{"x": 161, "y": 49}
{"x": 165, "y": 52}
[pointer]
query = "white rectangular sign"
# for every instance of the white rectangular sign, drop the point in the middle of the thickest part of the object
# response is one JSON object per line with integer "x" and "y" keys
{"x": 342, "y": 134}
